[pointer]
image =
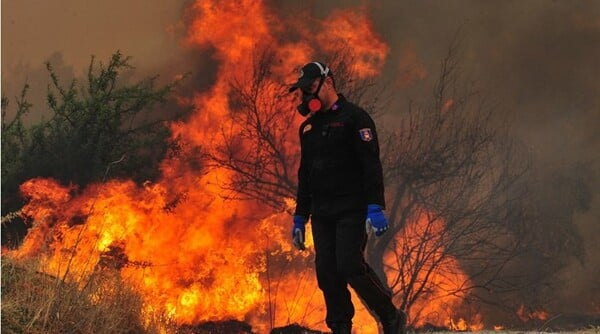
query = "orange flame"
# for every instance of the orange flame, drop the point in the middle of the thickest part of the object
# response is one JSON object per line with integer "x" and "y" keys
{"x": 353, "y": 29}
{"x": 191, "y": 254}
{"x": 418, "y": 257}
{"x": 526, "y": 315}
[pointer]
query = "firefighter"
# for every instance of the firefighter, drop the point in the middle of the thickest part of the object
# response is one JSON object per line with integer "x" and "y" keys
{"x": 340, "y": 189}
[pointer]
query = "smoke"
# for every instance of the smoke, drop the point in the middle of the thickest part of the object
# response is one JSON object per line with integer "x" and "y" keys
{"x": 537, "y": 59}
{"x": 32, "y": 31}
{"x": 68, "y": 32}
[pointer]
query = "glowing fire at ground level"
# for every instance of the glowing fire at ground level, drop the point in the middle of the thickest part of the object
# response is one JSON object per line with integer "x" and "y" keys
{"x": 204, "y": 274}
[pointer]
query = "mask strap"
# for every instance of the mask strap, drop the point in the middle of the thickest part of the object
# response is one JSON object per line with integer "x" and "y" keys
{"x": 321, "y": 82}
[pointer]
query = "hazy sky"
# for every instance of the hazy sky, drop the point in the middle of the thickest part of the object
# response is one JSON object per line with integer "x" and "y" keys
{"x": 32, "y": 30}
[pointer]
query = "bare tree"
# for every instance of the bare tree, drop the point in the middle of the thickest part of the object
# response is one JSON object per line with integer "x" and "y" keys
{"x": 452, "y": 176}
{"x": 260, "y": 145}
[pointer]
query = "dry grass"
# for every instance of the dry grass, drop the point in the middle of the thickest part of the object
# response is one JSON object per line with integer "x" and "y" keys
{"x": 34, "y": 302}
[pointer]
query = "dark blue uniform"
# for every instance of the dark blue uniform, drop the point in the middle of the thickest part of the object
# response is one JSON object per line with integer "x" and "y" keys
{"x": 340, "y": 174}
{"x": 340, "y": 168}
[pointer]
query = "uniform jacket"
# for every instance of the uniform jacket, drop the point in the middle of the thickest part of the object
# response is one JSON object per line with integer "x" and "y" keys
{"x": 340, "y": 169}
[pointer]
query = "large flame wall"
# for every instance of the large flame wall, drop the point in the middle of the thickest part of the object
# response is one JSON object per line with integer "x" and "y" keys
{"x": 193, "y": 255}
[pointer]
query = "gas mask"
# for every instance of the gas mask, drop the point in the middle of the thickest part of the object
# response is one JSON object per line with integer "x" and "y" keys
{"x": 311, "y": 102}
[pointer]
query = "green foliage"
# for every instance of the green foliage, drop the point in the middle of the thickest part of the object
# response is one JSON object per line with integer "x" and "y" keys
{"x": 14, "y": 140}
{"x": 105, "y": 123}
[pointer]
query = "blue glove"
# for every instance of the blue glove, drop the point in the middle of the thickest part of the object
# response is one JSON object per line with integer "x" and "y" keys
{"x": 376, "y": 221}
{"x": 298, "y": 231}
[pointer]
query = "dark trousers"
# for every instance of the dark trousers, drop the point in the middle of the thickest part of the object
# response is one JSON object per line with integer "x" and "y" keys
{"x": 340, "y": 242}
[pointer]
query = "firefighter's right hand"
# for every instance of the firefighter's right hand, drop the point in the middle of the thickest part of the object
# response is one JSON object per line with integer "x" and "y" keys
{"x": 376, "y": 220}
{"x": 298, "y": 231}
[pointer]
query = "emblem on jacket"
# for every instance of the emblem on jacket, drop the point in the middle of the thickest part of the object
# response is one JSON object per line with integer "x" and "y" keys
{"x": 306, "y": 128}
{"x": 366, "y": 134}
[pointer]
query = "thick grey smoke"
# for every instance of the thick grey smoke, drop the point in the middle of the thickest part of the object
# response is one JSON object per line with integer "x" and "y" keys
{"x": 538, "y": 59}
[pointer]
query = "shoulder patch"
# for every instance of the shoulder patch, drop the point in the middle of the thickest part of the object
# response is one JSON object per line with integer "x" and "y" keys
{"x": 366, "y": 134}
{"x": 306, "y": 128}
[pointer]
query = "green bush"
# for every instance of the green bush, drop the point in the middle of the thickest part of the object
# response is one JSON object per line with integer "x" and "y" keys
{"x": 105, "y": 128}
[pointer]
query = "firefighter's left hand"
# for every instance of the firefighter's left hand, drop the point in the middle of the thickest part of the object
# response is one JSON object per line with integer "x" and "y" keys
{"x": 376, "y": 221}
